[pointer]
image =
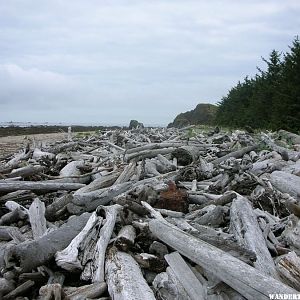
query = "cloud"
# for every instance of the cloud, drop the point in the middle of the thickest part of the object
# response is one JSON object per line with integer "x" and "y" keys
{"x": 108, "y": 61}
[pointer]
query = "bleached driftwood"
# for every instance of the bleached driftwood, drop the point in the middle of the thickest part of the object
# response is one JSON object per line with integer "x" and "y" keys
{"x": 38, "y": 154}
{"x": 244, "y": 226}
{"x": 147, "y": 154}
{"x": 184, "y": 274}
{"x": 124, "y": 277}
{"x": 286, "y": 183}
{"x": 29, "y": 255}
{"x": 91, "y": 200}
{"x": 235, "y": 154}
{"x": 20, "y": 290}
{"x": 38, "y": 186}
{"x": 125, "y": 239}
{"x": 37, "y": 218}
{"x": 68, "y": 257}
{"x": 111, "y": 213}
{"x": 288, "y": 267}
{"x": 250, "y": 282}
{"x": 26, "y": 171}
{"x": 90, "y": 291}
{"x": 127, "y": 173}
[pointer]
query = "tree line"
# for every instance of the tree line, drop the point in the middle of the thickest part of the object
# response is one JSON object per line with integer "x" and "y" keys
{"x": 269, "y": 100}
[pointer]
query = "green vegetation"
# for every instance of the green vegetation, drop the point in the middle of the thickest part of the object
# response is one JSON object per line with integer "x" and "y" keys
{"x": 270, "y": 100}
{"x": 202, "y": 114}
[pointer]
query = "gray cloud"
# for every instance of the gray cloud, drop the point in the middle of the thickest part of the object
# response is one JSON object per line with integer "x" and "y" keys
{"x": 109, "y": 61}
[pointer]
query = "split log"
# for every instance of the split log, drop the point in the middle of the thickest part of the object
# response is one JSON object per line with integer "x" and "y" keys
{"x": 37, "y": 218}
{"x": 250, "y": 282}
{"x": 106, "y": 231}
{"x": 124, "y": 277}
{"x": 29, "y": 255}
{"x": 186, "y": 277}
{"x": 236, "y": 154}
{"x": 127, "y": 173}
{"x": 38, "y": 186}
{"x": 286, "y": 183}
{"x": 244, "y": 226}
{"x": 288, "y": 267}
{"x": 68, "y": 258}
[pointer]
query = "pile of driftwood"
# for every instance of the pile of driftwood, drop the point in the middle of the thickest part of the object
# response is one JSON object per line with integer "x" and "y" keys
{"x": 152, "y": 213}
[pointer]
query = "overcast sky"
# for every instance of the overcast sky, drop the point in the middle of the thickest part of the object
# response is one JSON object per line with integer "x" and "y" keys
{"x": 109, "y": 61}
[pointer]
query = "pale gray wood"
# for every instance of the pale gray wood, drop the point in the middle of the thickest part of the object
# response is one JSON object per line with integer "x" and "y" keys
{"x": 235, "y": 154}
{"x": 37, "y": 218}
{"x": 124, "y": 278}
{"x": 86, "y": 291}
{"x": 127, "y": 173}
{"x": 125, "y": 239}
{"x": 244, "y": 226}
{"x": 38, "y": 186}
{"x": 68, "y": 257}
{"x": 286, "y": 183}
{"x": 288, "y": 267}
{"x": 248, "y": 281}
{"x": 185, "y": 275}
{"x": 31, "y": 254}
{"x": 106, "y": 231}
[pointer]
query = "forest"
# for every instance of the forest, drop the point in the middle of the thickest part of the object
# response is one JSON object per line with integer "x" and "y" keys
{"x": 270, "y": 99}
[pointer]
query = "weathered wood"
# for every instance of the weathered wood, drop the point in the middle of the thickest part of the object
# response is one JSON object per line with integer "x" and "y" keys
{"x": 235, "y": 154}
{"x": 54, "y": 210}
{"x": 124, "y": 278}
{"x": 37, "y": 218}
{"x": 286, "y": 183}
{"x": 125, "y": 239}
{"x": 38, "y": 186}
{"x": 51, "y": 291}
{"x": 127, "y": 173}
{"x": 186, "y": 154}
{"x": 38, "y": 154}
{"x": 86, "y": 291}
{"x": 106, "y": 231}
{"x": 24, "y": 287}
{"x": 68, "y": 257}
{"x": 6, "y": 286}
{"x": 26, "y": 171}
{"x": 244, "y": 226}
{"x": 250, "y": 282}
{"x": 147, "y": 154}
{"x": 185, "y": 275}
{"x": 288, "y": 267}
{"x": 29, "y": 255}
{"x": 294, "y": 138}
